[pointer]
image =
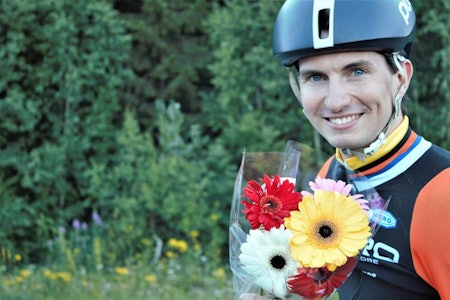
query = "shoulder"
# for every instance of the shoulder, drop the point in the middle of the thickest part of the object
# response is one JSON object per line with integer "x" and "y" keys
{"x": 434, "y": 195}
{"x": 440, "y": 153}
{"x": 327, "y": 166}
{"x": 437, "y": 155}
{"x": 430, "y": 243}
{"x": 428, "y": 168}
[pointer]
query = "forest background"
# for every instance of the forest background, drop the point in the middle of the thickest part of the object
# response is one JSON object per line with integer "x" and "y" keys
{"x": 123, "y": 123}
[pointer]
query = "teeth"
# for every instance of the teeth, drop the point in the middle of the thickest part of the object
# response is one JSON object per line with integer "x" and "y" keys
{"x": 345, "y": 120}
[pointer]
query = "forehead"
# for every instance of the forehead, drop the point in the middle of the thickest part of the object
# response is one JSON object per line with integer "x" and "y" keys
{"x": 343, "y": 58}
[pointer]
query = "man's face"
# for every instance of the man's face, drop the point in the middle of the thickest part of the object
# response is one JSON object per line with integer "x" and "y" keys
{"x": 348, "y": 96}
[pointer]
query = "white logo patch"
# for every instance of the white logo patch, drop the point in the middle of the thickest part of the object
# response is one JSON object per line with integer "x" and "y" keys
{"x": 405, "y": 8}
{"x": 383, "y": 217}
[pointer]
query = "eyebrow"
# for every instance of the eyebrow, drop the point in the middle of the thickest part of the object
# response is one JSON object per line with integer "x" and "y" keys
{"x": 355, "y": 64}
{"x": 358, "y": 64}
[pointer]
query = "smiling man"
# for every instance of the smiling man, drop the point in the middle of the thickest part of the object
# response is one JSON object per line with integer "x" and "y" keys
{"x": 354, "y": 70}
{"x": 348, "y": 96}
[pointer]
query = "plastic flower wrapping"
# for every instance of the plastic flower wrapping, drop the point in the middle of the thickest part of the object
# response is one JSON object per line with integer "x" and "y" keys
{"x": 291, "y": 244}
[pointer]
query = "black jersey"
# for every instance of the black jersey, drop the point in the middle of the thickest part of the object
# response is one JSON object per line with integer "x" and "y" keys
{"x": 409, "y": 256}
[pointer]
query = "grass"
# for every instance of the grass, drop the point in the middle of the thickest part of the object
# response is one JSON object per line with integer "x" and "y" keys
{"x": 175, "y": 282}
{"x": 84, "y": 266}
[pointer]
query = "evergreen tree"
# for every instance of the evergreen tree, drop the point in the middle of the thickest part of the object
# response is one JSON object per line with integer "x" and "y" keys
{"x": 170, "y": 54}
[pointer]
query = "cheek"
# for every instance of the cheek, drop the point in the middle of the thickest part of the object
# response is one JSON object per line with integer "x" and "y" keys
{"x": 309, "y": 101}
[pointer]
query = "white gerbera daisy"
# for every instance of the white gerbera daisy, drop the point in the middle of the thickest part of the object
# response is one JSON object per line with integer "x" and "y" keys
{"x": 266, "y": 257}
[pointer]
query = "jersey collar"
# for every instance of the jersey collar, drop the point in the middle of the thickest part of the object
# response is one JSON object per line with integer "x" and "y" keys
{"x": 354, "y": 162}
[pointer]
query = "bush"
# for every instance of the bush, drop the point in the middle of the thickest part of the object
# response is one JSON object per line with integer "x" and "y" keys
{"x": 64, "y": 63}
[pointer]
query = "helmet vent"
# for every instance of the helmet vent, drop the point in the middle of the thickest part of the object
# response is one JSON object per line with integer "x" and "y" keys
{"x": 323, "y": 29}
{"x": 324, "y": 23}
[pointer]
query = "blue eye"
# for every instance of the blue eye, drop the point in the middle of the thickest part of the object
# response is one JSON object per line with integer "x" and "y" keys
{"x": 358, "y": 72}
{"x": 316, "y": 77}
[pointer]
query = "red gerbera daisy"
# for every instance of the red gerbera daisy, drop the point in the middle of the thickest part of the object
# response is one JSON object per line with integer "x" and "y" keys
{"x": 270, "y": 203}
{"x": 312, "y": 283}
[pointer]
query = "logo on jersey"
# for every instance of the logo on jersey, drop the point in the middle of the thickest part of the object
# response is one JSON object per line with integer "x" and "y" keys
{"x": 375, "y": 252}
{"x": 383, "y": 217}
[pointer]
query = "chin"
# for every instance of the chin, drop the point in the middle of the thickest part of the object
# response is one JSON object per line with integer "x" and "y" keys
{"x": 344, "y": 144}
{"x": 349, "y": 140}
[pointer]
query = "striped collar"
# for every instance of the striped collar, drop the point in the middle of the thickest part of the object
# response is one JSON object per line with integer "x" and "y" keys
{"x": 355, "y": 163}
{"x": 401, "y": 150}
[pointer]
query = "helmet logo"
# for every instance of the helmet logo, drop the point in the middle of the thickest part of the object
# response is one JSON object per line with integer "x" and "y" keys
{"x": 405, "y": 8}
{"x": 323, "y": 23}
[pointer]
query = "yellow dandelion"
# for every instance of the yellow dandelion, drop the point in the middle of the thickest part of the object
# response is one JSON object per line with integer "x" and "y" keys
{"x": 219, "y": 273}
{"x": 151, "y": 278}
{"x": 64, "y": 276}
{"x": 25, "y": 273}
{"x": 194, "y": 234}
{"x": 172, "y": 242}
{"x": 146, "y": 242}
{"x": 171, "y": 254}
{"x": 327, "y": 230}
{"x": 214, "y": 217}
{"x": 182, "y": 246}
{"x": 121, "y": 270}
{"x": 18, "y": 257}
{"x": 49, "y": 274}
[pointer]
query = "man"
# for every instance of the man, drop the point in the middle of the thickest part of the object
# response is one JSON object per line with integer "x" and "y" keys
{"x": 354, "y": 71}
{"x": 352, "y": 58}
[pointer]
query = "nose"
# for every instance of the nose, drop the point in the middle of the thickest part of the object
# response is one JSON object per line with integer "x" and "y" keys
{"x": 337, "y": 98}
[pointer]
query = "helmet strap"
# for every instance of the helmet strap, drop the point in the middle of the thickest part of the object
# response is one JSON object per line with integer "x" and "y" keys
{"x": 397, "y": 105}
{"x": 363, "y": 153}
{"x": 397, "y": 58}
{"x": 294, "y": 84}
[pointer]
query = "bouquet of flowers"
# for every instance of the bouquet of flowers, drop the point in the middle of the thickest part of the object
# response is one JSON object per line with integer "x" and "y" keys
{"x": 290, "y": 244}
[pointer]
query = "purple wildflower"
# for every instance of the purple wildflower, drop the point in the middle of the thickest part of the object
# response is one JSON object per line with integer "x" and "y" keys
{"x": 96, "y": 218}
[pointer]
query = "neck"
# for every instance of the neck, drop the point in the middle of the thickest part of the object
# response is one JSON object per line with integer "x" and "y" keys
{"x": 364, "y": 153}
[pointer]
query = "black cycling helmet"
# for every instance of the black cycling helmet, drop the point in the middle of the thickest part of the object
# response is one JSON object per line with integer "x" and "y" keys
{"x": 312, "y": 27}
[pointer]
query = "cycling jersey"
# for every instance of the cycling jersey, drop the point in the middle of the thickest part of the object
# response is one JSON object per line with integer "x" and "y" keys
{"x": 408, "y": 258}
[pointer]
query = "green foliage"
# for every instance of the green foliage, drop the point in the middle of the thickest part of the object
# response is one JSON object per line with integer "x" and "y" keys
{"x": 430, "y": 105}
{"x": 170, "y": 54}
{"x": 64, "y": 63}
{"x": 249, "y": 83}
{"x": 145, "y": 192}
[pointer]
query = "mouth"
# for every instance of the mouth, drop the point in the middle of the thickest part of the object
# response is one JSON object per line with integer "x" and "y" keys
{"x": 344, "y": 120}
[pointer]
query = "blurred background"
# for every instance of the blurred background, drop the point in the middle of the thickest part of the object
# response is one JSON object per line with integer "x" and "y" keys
{"x": 122, "y": 125}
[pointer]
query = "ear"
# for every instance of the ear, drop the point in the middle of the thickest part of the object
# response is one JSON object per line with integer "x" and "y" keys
{"x": 405, "y": 76}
